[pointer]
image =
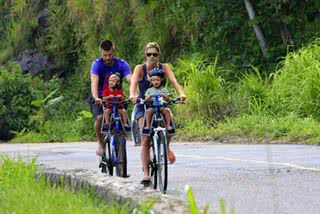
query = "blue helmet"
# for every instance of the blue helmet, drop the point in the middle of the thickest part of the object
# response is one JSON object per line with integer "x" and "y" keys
{"x": 156, "y": 72}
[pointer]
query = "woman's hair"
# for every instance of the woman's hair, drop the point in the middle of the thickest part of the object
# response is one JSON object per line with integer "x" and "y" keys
{"x": 152, "y": 45}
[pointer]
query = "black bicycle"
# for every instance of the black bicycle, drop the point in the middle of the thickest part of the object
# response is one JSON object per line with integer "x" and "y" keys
{"x": 115, "y": 155}
{"x": 159, "y": 143}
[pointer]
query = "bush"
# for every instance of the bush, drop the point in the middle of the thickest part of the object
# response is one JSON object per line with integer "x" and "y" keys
{"x": 20, "y": 97}
{"x": 296, "y": 86}
{"x": 16, "y": 95}
{"x": 206, "y": 93}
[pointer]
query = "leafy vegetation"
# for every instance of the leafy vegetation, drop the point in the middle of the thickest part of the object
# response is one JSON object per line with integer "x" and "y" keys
{"x": 21, "y": 192}
{"x": 211, "y": 44}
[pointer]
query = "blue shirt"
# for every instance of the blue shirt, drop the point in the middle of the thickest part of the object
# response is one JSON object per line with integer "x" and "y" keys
{"x": 102, "y": 70}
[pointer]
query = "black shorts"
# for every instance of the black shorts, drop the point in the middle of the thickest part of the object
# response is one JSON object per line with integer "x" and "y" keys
{"x": 96, "y": 110}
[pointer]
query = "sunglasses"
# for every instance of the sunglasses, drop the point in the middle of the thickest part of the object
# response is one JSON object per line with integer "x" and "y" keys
{"x": 153, "y": 54}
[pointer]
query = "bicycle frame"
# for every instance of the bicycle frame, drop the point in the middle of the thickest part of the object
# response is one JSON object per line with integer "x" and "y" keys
{"x": 159, "y": 143}
{"x": 116, "y": 127}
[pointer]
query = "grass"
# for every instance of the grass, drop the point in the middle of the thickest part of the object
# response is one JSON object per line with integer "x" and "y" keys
{"x": 21, "y": 193}
{"x": 290, "y": 128}
{"x": 58, "y": 131}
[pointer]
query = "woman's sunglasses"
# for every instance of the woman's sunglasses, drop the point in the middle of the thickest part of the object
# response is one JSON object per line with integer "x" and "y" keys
{"x": 153, "y": 54}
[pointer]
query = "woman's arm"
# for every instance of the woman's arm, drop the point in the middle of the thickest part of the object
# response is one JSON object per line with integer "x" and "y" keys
{"x": 170, "y": 75}
{"x": 136, "y": 77}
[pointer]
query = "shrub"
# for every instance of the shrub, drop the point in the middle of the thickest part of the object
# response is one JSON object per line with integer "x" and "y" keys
{"x": 296, "y": 86}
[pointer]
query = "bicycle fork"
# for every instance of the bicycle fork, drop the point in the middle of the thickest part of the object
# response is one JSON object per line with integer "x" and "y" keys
{"x": 155, "y": 140}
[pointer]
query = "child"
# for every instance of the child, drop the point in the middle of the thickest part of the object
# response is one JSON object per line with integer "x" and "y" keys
{"x": 108, "y": 93}
{"x": 157, "y": 80}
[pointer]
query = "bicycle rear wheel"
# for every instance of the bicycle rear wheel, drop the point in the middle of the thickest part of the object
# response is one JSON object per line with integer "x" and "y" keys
{"x": 162, "y": 164}
{"x": 121, "y": 165}
{"x": 135, "y": 133}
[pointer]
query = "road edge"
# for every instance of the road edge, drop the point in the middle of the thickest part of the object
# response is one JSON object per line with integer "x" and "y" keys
{"x": 114, "y": 189}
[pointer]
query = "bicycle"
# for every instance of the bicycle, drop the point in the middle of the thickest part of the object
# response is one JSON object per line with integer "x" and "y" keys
{"x": 115, "y": 155}
{"x": 159, "y": 142}
{"x": 135, "y": 129}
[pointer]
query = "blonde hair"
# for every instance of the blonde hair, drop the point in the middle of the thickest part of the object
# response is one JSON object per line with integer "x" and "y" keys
{"x": 114, "y": 76}
{"x": 152, "y": 45}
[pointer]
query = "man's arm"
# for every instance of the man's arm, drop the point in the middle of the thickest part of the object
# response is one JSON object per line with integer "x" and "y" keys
{"x": 94, "y": 85}
{"x": 128, "y": 78}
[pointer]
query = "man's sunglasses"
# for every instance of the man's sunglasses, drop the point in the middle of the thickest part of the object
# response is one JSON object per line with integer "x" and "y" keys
{"x": 153, "y": 54}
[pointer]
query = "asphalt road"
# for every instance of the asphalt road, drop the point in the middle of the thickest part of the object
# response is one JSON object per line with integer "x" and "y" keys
{"x": 249, "y": 178}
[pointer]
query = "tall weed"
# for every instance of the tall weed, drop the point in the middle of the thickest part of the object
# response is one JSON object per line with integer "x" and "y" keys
{"x": 205, "y": 89}
{"x": 296, "y": 85}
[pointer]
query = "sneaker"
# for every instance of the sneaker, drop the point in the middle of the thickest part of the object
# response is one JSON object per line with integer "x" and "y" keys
{"x": 146, "y": 182}
{"x": 171, "y": 157}
{"x": 171, "y": 130}
{"x": 146, "y": 131}
{"x": 127, "y": 128}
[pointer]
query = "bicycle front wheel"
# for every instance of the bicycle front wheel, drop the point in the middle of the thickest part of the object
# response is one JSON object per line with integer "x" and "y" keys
{"x": 121, "y": 166}
{"x": 162, "y": 162}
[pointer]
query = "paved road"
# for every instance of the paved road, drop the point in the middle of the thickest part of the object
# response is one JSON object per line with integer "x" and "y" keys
{"x": 250, "y": 178}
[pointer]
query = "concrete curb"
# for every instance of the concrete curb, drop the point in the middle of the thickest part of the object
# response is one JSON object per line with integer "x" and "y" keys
{"x": 119, "y": 190}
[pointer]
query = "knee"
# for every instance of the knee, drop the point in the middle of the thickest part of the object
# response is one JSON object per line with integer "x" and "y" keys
{"x": 145, "y": 141}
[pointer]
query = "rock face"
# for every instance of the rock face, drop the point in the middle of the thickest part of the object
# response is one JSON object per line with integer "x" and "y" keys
{"x": 115, "y": 189}
{"x": 33, "y": 62}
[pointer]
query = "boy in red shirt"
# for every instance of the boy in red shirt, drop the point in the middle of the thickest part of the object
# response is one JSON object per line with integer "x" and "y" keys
{"x": 113, "y": 89}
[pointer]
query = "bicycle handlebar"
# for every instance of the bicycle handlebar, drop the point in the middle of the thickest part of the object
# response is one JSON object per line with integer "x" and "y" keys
{"x": 162, "y": 103}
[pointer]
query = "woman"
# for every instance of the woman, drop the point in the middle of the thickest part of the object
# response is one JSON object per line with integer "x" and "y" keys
{"x": 140, "y": 78}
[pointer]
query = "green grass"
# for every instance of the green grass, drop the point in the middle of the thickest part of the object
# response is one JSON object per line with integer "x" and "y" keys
{"x": 289, "y": 128}
{"x": 21, "y": 193}
{"x": 59, "y": 131}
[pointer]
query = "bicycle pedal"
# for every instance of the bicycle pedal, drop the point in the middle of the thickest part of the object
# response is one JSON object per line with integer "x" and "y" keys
{"x": 102, "y": 165}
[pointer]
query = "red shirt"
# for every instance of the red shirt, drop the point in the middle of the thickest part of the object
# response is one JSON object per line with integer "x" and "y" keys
{"x": 108, "y": 92}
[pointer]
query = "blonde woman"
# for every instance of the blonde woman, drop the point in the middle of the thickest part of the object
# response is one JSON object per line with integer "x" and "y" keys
{"x": 140, "y": 78}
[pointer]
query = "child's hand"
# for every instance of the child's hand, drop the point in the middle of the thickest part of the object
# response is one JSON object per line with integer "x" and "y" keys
{"x": 107, "y": 97}
{"x": 120, "y": 97}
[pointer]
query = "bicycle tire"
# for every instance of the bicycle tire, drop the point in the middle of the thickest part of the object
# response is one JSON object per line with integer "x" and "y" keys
{"x": 110, "y": 156}
{"x": 135, "y": 133}
{"x": 122, "y": 155}
{"x": 162, "y": 164}
{"x": 153, "y": 166}
{"x": 121, "y": 165}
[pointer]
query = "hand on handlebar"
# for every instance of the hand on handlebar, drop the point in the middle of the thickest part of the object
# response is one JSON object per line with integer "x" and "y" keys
{"x": 98, "y": 101}
{"x": 133, "y": 99}
{"x": 182, "y": 98}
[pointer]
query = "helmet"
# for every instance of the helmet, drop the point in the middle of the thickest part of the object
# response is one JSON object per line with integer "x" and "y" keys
{"x": 118, "y": 77}
{"x": 156, "y": 72}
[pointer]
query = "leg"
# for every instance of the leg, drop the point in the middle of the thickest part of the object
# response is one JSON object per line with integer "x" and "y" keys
{"x": 145, "y": 153}
{"x": 166, "y": 113}
{"x": 148, "y": 117}
{"x": 98, "y": 124}
{"x": 107, "y": 116}
{"x": 123, "y": 114}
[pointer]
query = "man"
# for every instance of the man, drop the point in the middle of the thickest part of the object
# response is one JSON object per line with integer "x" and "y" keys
{"x": 101, "y": 69}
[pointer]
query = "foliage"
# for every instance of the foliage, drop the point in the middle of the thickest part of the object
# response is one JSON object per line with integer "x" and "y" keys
{"x": 251, "y": 92}
{"x": 206, "y": 91}
{"x": 296, "y": 85}
{"x": 20, "y": 96}
{"x": 22, "y": 192}
{"x": 16, "y": 95}
{"x": 193, "y": 208}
